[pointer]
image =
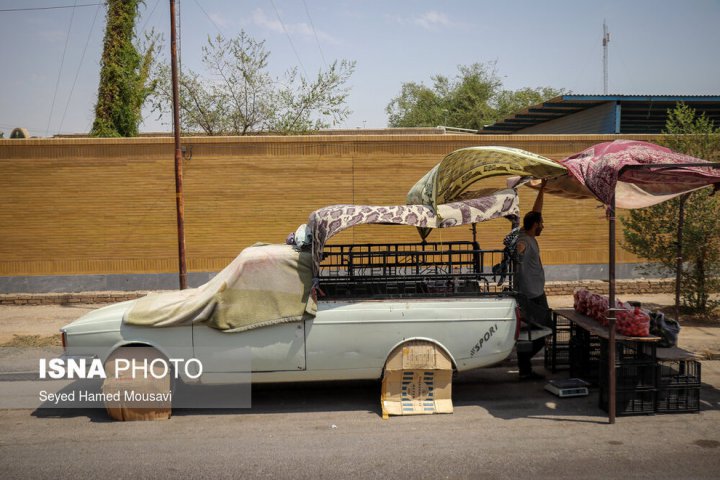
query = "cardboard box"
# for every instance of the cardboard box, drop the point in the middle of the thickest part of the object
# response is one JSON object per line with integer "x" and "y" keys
{"x": 417, "y": 381}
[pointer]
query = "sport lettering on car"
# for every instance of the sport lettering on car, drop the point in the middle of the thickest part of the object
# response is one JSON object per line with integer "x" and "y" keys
{"x": 484, "y": 339}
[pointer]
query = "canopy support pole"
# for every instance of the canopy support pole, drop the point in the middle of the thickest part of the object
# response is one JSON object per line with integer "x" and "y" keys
{"x": 611, "y": 280}
{"x": 611, "y": 316}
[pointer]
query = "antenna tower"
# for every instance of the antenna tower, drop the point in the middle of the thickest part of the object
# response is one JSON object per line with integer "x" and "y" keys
{"x": 606, "y": 40}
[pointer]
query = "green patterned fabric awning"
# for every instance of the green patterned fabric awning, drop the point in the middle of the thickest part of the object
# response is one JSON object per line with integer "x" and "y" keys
{"x": 457, "y": 177}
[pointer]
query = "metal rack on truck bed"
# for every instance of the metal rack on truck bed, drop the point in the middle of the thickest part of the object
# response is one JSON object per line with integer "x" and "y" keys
{"x": 413, "y": 270}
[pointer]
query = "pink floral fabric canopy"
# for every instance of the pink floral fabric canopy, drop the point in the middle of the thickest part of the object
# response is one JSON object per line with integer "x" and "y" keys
{"x": 598, "y": 169}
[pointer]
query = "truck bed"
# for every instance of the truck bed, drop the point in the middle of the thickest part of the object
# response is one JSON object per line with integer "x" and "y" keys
{"x": 412, "y": 270}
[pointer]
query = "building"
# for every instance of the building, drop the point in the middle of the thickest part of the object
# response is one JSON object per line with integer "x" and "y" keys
{"x": 602, "y": 114}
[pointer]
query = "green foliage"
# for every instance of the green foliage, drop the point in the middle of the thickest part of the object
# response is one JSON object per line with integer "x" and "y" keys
{"x": 473, "y": 99}
{"x": 241, "y": 96}
{"x": 124, "y": 73}
{"x": 651, "y": 233}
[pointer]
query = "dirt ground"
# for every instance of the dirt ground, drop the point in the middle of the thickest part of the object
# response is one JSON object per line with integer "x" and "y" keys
{"x": 40, "y": 324}
{"x": 40, "y": 320}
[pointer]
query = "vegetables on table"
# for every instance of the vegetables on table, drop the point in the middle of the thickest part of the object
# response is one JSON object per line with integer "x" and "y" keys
{"x": 631, "y": 321}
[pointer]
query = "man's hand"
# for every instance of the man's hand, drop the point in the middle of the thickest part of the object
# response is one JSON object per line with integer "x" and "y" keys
{"x": 537, "y": 207}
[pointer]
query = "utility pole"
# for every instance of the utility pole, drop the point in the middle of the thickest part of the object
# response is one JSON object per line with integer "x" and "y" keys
{"x": 179, "y": 199}
{"x": 606, "y": 40}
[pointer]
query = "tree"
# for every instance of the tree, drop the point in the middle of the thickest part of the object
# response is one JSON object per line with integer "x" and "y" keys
{"x": 124, "y": 75}
{"x": 241, "y": 96}
{"x": 510, "y": 102}
{"x": 691, "y": 221}
{"x": 473, "y": 99}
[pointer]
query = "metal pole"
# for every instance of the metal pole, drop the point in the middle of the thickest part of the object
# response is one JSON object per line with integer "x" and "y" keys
{"x": 606, "y": 40}
{"x": 611, "y": 317}
{"x": 679, "y": 259}
{"x": 179, "y": 199}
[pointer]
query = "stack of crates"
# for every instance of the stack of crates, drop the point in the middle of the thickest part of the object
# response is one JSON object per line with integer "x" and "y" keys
{"x": 645, "y": 382}
{"x": 678, "y": 386}
{"x": 557, "y": 345}
{"x": 635, "y": 378}
{"x": 585, "y": 353}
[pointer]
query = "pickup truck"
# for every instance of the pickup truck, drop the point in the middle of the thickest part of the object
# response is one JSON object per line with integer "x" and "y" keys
{"x": 366, "y": 301}
{"x": 376, "y": 297}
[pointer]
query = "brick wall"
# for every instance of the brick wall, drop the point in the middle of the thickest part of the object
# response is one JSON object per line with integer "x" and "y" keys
{"x": 79, "y": 206}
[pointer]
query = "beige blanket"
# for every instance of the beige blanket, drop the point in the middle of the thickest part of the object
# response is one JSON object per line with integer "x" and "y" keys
{"x": 264, "y": 285}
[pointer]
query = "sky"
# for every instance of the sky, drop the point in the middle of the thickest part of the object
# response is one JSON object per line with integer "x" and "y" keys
{"x": 51, "y": 57}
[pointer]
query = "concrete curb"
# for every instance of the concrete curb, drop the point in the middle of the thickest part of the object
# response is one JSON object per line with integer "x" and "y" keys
{"x": 68, "y": 298}
{"x": 624, "y": 287}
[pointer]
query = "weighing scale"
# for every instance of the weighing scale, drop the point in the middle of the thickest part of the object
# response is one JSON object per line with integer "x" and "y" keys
{"x": 572, "y": 387}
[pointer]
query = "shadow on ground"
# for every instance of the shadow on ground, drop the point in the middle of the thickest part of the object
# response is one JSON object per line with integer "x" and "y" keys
{"x": 496, "y": 390}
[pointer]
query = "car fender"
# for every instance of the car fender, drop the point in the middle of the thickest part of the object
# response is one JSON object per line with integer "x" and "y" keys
{"x": 423, "y": 339}
{"x": 161, "y": 351}
{"x": 136, "y": 343}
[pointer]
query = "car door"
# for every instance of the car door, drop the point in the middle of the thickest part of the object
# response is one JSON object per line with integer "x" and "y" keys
{"x": 278, "y": 347}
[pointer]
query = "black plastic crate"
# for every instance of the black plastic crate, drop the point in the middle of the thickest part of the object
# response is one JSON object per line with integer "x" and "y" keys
{"x": 679, "y": 399}
{"x": 630, "y": 376}
{"x": 557, "y": 345}
{"x": 562, "y": 323}
{"x": 678, "y": 373}
{"x": 557, "y": 357}
{"x": 562, "y": 336}
{"x": 630, "y": 402}
{"x": 631, "y": 352}
{"x": 585, "y": 353}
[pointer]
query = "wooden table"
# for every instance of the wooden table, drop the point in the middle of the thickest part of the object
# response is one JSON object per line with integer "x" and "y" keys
{"x": 680, "y": 369}
{"x": 593, "y": 327}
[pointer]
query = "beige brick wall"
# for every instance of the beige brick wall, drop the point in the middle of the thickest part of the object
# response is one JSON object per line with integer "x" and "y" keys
{"x": 107, "y": 206}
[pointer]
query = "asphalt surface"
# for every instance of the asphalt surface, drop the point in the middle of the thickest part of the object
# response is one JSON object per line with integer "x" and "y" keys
{"x": 500, "y": 428}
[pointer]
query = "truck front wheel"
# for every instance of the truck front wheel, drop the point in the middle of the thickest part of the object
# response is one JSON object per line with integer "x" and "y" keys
{"x": 138, "y": 384}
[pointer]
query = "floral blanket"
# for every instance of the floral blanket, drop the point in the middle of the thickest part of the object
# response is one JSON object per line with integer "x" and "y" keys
{"x": 329, "y": 221}
{"x": 598, "y": 168}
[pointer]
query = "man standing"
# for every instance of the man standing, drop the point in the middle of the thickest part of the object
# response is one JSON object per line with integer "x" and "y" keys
{"x": 531, "y": 285}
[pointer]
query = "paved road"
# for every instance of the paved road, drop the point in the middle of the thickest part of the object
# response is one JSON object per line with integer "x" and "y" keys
{"x": 501, "y": 428}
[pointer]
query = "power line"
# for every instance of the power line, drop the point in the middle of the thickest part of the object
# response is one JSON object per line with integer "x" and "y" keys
{"x": 77, "y": 72}
{"x": 208, "y": 17}
{"x": 289, "y": 38}
{"x": 317, "y": 40}
{"x": 147, "y": 19}
{"x": 32, "y": 9}
{"x": 62, "y": 62}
